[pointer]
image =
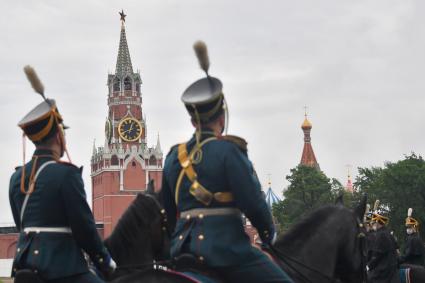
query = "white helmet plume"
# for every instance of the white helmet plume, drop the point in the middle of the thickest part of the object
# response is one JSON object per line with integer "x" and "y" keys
{"x": 376, "y": 206}
{"x": 409, "y": 212}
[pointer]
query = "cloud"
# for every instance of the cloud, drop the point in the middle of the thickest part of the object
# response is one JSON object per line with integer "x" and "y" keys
{"x": 357, "y": 65}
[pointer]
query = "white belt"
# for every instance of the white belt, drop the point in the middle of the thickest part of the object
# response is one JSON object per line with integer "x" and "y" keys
{"x": 38, "y": 230}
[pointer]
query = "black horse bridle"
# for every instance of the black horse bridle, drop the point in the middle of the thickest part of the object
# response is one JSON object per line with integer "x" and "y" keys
{"x": 284, "y": 258}
{"x": 362, "y": 238}
{"x": 152, "y": 265}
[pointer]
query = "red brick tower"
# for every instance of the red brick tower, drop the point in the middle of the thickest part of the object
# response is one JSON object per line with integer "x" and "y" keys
{"x": 125, "y": 164}
{"x": 308, "y": 158}
{"x": 349, "y": 186}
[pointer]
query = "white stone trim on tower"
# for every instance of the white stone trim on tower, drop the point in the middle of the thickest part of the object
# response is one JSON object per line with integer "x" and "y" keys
{"x": 121, "y": 179}
{"x": 134, "y": 155}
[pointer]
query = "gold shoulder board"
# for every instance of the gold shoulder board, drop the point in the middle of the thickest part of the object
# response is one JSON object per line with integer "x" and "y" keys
{"x": 240, "y": 142}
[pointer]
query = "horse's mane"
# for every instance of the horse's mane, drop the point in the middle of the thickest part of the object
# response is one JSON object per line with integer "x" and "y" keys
{"x": 310, "y": 223}
{"x": 130, "y": 231}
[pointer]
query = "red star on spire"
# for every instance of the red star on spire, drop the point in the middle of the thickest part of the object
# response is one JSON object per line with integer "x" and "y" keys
{"x": 122, "y": 15}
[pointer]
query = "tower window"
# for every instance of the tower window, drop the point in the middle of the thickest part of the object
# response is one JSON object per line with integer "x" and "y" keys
{"x": 127, "y": 83}
{"x": 117, "y": 85}
{"x": 152, "y": 160}
{"x": 114, "y": 160}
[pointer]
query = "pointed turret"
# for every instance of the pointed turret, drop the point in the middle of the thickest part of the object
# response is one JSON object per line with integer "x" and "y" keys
{"x": 349, "y": 186}
{"x": 158, "y": 145}
{"x": 94, "y": 148}
{"x": 123, "y": 66}
{"x": 308, "y": 158}
{"x": 124, "y": 81}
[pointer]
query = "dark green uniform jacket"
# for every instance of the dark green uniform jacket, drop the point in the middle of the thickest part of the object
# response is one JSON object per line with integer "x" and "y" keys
{"x": 414, "y": 251}
{"x": 370, "y": 241}
{"x": 219, "y": 240}
{"x": 59, "y": 200}
{"x": 383, "y": 265}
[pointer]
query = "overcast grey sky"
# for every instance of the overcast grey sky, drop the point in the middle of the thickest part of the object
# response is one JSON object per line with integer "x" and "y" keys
{"x": 356, "y": 64}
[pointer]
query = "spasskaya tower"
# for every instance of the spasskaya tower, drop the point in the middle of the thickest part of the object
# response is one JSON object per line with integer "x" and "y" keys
{"x": 125, "y": 164}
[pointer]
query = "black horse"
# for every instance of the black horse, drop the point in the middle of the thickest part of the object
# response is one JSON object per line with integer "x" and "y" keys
{"x": 327, "y": 246}
{"x": 139, "y": 240}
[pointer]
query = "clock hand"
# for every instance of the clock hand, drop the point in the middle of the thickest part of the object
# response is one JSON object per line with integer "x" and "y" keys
{"x": 131, "y": 127}
{"x": 126, "y": 131}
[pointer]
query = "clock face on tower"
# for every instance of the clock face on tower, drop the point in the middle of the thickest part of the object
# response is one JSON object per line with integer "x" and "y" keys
{"x": 130, "y": 129}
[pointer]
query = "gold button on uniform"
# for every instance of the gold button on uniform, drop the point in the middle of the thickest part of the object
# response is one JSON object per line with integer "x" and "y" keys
{"x": 201, "y": 237}
{"x": 201, "y": 216}
{"x": 36, "y": 252}
{"x": 201, "y": 258}
{"x": 181, "y": 237}
{"x": 188, "y": 216}
{"x": 18, "y": 250}
{"x": 100, "y": 260}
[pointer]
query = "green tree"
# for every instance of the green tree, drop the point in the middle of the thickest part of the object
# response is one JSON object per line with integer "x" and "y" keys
{"x": 309, "y": 188}
{"x": 398, "y": 186}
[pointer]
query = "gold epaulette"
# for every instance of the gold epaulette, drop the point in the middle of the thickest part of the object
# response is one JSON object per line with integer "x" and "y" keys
{"x": 240, "y": 142}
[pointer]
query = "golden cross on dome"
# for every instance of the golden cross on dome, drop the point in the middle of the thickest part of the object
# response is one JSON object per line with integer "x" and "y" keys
{"x": 122, "y": 16}
{"x": 270, "y": 182}
{"x": 349, "y": 166}
{"x": 305, "y": 111}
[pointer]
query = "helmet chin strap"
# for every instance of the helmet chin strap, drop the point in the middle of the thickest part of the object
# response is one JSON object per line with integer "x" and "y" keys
{"x": 226, "y": 117}
{"x": 198, "y": 132}
{"x": 63, "y": 143}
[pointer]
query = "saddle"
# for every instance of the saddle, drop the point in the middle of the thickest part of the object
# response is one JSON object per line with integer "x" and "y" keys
{"x": 27, "y": 276}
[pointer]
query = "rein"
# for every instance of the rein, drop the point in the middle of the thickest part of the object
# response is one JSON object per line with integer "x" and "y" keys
{"x": 283, "y": 257}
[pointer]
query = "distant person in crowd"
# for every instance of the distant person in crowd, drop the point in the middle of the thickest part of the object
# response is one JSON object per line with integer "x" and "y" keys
{"x": 414, "y": 250}
{"x": 383, "y": 261}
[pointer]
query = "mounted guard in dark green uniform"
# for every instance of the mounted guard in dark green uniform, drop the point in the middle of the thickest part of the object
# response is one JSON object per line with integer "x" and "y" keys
{"x": 414, "y": 250}
{"x": 208, "y": 183}
{"x": 382, "y": 264}
{"x": 49, "y": 205}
